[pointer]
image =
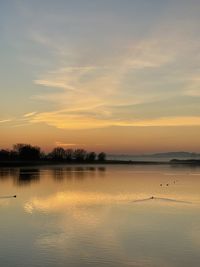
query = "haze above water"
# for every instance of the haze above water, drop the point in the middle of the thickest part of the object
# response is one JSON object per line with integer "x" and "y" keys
{"x": 100, "y": 216}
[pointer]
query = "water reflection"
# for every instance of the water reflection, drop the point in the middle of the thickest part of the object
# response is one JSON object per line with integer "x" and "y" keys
{"x": 58, "y": 174}
{"x": 64, "y": 220}
{"x": 27, "y": 176}
{"x": 20, "y": 176}
{"x": 66, "y": 200}
{"x": 6, "y": 173}
{"x": 77, "y": 172}
{"x": 162, "y": 199}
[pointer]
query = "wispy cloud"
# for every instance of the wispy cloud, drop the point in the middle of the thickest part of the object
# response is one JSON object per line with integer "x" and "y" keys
{"x": 4, "y": 121}
{"x": 92, "y": 97}
{"x": 152, "y": 53}
{"x": 66, "y": 120}
{"x": 30, "y": 114}
{"x": 193, "y": 85}
{"x": 89, "y": 81}
{"x": 61, "y": 144}
{"x": 88, "y": 91}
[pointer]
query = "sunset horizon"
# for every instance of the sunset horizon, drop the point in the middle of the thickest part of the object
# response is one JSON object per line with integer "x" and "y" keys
{"x": 103, "y": 75}
{"x": 99, "y": 133}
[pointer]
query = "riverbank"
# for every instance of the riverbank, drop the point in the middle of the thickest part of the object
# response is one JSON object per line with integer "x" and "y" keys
{"x": 43, "y": 163}
{"x": 106, "y": 162}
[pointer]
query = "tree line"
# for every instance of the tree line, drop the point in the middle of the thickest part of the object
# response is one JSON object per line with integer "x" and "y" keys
{"x": 27, "y": 152}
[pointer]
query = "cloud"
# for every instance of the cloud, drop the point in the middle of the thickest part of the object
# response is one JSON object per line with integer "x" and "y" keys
{"x": 121, "y": 84}
{"x": 30, "y": 114}
{"x": 61, "y": 144}
{"x": 149, "y": 54}
{"x": 4, "y": 121}
{"x": 86, "y": 92}
{"x": 65, "y": 78}
{"x": 89, "y": 121}
{"x": 96, "y": 97}
{"x": 193, "y": 86}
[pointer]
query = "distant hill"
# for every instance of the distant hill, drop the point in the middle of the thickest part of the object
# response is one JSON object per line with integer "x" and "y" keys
{"x": 156, "y": 156}
{"x": 181, "y": 154}
{"x": 186, "y": 161}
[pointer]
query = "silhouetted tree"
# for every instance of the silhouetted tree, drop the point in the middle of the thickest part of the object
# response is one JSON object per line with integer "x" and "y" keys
{"x": 27, "y": 152}
{"x": 4, "y": 154}
{"x": 13, "y": 155}
{"x": 69, "y": 154}
{"x": 79, "y": 155}
{"x": 102, "y": 156}
{"x": 43, "y": 156}
{"x": 58, "y": 153}
{"x": 91, "y": 156}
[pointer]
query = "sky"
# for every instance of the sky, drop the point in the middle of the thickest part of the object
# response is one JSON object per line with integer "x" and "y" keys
{"x": 120, "y": 76}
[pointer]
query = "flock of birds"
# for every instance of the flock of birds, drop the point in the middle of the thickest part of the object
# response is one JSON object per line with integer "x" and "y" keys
{"x": 149, "y": 198}
{"x": 168, "y": 184}
{"x": 162, "y": 198}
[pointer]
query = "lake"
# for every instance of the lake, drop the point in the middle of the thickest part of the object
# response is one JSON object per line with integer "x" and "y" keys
{"x": 80, "y": 216}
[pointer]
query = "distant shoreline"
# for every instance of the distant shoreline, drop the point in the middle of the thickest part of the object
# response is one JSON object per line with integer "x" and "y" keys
{"x": 106, "y": 162}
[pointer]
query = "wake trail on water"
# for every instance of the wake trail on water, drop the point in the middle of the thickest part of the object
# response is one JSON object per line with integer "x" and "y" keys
{"x": 3, "y": 197}
{"x": 162, "y": 199}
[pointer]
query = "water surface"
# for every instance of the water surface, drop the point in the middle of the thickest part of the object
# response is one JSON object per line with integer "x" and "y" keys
{"x": 141, "y": 216}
